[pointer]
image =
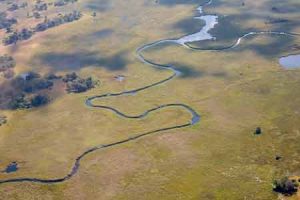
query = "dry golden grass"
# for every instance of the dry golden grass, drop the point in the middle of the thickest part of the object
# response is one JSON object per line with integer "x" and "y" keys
{"x": 220, "y": 158}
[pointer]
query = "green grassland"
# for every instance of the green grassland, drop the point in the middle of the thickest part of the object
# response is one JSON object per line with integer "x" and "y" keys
{"x": 235, "y": 91}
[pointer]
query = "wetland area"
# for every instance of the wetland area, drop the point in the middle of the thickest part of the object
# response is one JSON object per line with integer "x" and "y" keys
{"x": 167, "y": 99}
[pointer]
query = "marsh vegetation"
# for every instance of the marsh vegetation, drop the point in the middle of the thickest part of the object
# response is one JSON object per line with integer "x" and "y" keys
{"x": 139, "y": 137}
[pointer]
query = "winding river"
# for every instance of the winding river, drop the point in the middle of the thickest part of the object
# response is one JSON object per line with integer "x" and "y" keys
{"x": 203, "y": 34}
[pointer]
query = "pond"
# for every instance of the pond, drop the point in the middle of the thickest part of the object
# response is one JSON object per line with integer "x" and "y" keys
{"x": 12, "y": 167}
{"x": 290, "y": 62}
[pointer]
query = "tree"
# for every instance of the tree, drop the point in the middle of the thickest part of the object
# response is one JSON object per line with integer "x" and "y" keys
{"x": 25, "y": 34}
{"x": 11, "y": 38}
{"x": 6, "y": 22}
{"x": 6, "y": 62}
{"x": 36, "y": 15}
{"x": 285, "y": 186}
{"x": 258, "y": 131}
{"x": 13, "y": 7}
{"x": 39, "y": 100}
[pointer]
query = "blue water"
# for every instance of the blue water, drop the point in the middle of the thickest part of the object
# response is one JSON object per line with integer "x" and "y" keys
{"x": 12, "y": 167}
{"x": 290, "y": 62}
{"x": 195, "y": 119}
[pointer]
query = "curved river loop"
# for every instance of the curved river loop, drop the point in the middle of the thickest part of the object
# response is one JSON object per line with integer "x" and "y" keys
{"x": 203, "y": 34}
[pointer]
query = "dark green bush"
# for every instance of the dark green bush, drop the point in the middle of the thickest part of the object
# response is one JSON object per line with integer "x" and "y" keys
{"x": 285, "y": 186}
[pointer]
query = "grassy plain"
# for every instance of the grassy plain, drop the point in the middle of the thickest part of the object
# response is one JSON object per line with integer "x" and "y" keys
{"x": 234, "y": 91}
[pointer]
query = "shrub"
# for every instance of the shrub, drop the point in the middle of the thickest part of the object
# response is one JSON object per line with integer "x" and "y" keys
{"x": 18, "y": 102}
{"x": 285, "y": 186}
{"x": 11, "y": 38}
{"x": 6, "y": 62}
{"x": 258, "y": 131}
{"x": 13, "y": 7}
{"x": 6, "y": 22}
{"x": 40, "y": 6}
{"x": 70, "y": 77}
{"x": 39, "y": 100}
{"x": 51, "y": 76}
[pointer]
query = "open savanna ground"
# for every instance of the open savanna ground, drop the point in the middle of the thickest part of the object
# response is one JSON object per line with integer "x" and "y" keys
{"x": 234, "y": 91}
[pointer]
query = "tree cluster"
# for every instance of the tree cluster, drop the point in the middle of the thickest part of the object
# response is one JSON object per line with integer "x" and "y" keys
{"x": 59, "y": 3}
{"x": 16, "y": 36}
{"x": 40, "y": 6}
{"x": 39, "y": 100}
{"x": 6, "y": 63}
{"x": 15, "y": 6}
{"x": 25, "y": 33}
{"x": 36, "y": 15}
{"x": 75, "y": 84}
{"x": 31, "y": 82}
{"x": 61, "y": 19}
{"x": 24, "y": 91}
{"x": 6, "y": 22}
{"x": 30, "y": 89}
